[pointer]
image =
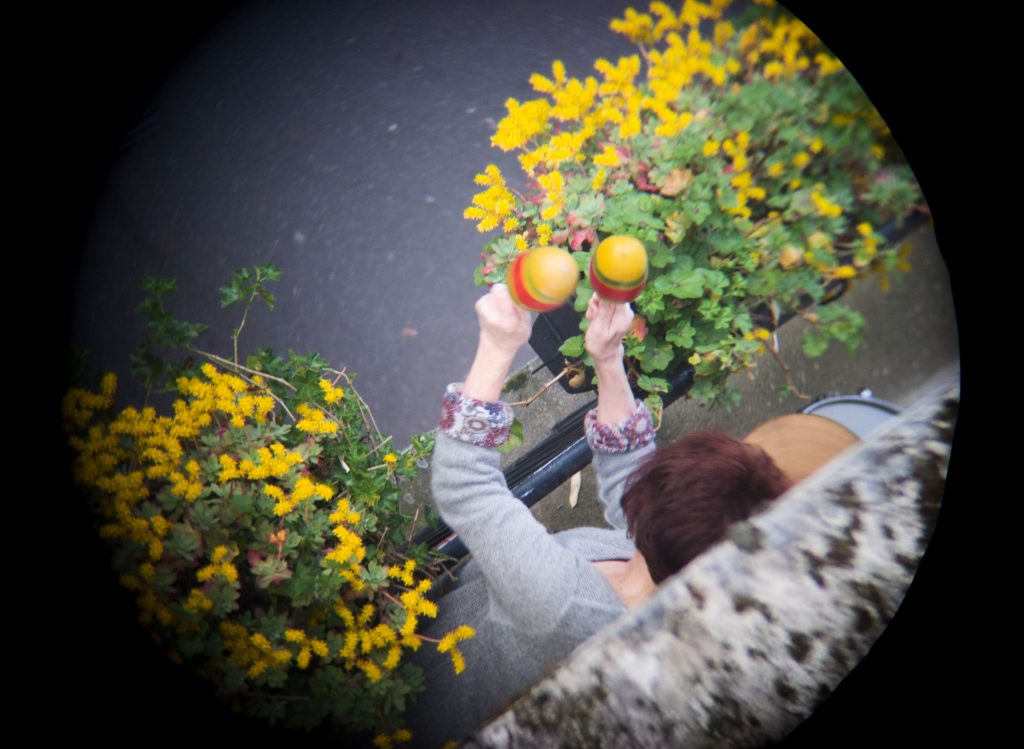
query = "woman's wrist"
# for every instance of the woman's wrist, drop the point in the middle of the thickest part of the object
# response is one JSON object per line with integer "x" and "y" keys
{"x": 487, "y": 374}
{"x": 468, "y": 419}
{"x": 615, "y": 401}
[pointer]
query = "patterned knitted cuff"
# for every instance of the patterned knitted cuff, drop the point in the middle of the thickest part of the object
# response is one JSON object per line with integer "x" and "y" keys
{"x": 476, "y": 422}
{"x": 631, "y": 433}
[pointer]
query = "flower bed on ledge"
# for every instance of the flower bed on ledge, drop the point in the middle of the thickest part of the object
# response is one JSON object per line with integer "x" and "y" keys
{"x": 740, "y": 152}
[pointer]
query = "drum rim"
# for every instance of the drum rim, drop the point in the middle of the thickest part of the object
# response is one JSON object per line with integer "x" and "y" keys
{"x": 884, "y": 405}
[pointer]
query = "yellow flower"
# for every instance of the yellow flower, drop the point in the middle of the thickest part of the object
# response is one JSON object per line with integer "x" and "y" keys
{"x": 599, "y": 179}
{"x": 801, "y": 159}
{"x": 637, "y": 27}
{"x": 393, "y": 658}
{"x": 825, "y": 206}
{"x": 608, "y": 157}
{"x": 371, "y": 669}
{"x": 228, "y": 572}
{"x": 543, "y": 234}
{"x": 827, "y": 64}
{"x": 845, "y": 271}
{"x": 711, "y": 147}
{"x": 523, "y": 122}
{"x": 331, "y": 393}
{"x": 724, "y": 31}
{"x": 314, "y": 421}
{"x": 390, "y": 459}
{"x": 741, "y": 180}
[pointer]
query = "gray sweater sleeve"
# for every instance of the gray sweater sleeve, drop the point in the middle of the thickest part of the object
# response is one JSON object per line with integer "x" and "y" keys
{"x": 618, "y": 451}
{"x": 532, "y": 579}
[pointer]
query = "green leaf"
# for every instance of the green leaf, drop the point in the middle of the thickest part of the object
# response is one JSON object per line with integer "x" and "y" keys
{"x": 302, "y": 585}
{"x": 183, "y": 542}
{"x": 229, "y": 295}
{"x": 661, "y": 255}
{"x": 681, "y": 284}
{"x": 714, "y": 280}
{"x": 572, "y": 347}
{"x": 656, "y": 358}
{"x": 681, "y": 336}
{"x": 697, "y": 211}
{"x": 652, "y": 385}
{"x": 241, "y": 503}
{"x": 158, "y": 286}
{"x": 814, "y": 344}
{"x": 515, "y": 437}
{"x": 590, "y": 209}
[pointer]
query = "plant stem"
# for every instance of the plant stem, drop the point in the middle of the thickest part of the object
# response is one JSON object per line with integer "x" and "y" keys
{"x": 785, "y": 368}
{"x": 412, "y": 525}
{"x": 544, "y": 389}
{"x": 391, "y": 598}
{"x": 245, "y": 315}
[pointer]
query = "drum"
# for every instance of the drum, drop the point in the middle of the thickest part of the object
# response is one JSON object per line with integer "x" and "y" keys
{"x": 861, "y": 414}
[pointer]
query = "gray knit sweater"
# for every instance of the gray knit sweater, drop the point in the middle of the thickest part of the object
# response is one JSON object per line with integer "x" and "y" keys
{"x": 531, "y": 596}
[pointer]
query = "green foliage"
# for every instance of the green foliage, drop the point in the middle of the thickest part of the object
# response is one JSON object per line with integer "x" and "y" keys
{"x": 746, "y": 159}
{"x": 260, "y": 525}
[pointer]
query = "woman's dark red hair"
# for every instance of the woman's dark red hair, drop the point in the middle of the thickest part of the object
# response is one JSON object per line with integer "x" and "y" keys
{"x": 683, "y": 498}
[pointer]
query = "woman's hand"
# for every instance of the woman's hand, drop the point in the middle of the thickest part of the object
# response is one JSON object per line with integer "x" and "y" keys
{"x": 504, "y": 325}
{"x": 609, "y": 323}
{"x": 504, "y": 328}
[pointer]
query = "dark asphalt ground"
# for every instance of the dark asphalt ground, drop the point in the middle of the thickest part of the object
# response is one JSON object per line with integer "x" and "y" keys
{"x": 339, "y": 140}
{"x": 336, "y": 140}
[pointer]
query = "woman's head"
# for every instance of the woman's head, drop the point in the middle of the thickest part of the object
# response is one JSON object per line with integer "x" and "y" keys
{"x": 684, "y": 497}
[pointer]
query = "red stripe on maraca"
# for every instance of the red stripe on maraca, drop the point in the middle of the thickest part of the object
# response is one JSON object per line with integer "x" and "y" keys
{"x": 615, "y": 295}
{"x": 521, "y": 295}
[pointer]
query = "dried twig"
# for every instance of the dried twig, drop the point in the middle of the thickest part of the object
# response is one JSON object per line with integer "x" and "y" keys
{"x": 544, "y": 389}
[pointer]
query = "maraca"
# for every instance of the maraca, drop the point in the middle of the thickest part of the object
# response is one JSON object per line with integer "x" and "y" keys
{"x": 542, "y": 279}
{"x": 618, "y": 268}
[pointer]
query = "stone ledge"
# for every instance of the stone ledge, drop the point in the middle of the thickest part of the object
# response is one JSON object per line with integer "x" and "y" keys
{"x": 744, "y": 643}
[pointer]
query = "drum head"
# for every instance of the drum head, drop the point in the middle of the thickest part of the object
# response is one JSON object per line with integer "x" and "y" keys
{"x": 800, "y": 444}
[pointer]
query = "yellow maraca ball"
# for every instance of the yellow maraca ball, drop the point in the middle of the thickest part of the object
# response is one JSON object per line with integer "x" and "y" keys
{"x": 542, "y": 279}
{"x": 618, "y": 268}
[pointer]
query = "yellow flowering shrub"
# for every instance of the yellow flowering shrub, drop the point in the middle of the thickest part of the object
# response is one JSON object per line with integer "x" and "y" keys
{"x": 257, "y": 524}
{"x": 724, "y": 146}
